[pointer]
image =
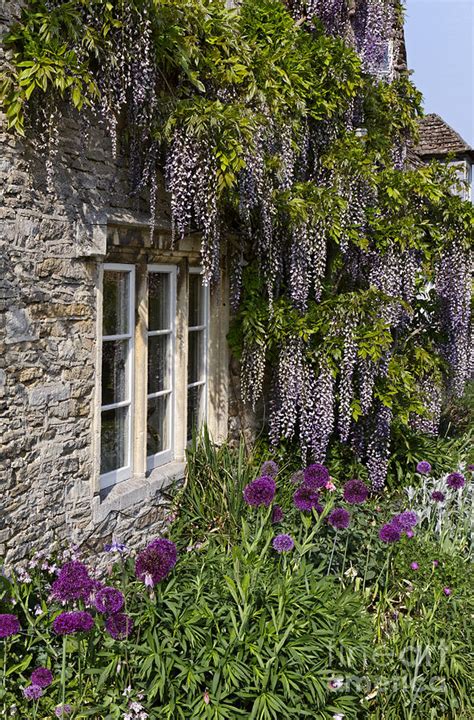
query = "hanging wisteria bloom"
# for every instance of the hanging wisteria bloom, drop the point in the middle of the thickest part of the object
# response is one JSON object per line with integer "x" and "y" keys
{"x": 389, "y": 534}
{"x": 455, "y": 481}
{"x": 305, "y": 499}
{"x": 9, "y": 625}
{"x": 423, "y": 467}
{"x": 277, "y": 514}
{"x": 32, "y": 692}
{"x": 260, "y": 491}
{"x": 438, "y": 496}
{"x": 109, "y": 600}
{"x": 269, "y": 468}
{"x": 68, "y": 623}
{"x": 316, "y": 476}
{"x": 43, "y": 677}
{"x": 73, "y": 583}
{"x": 155, "y": 562}
{"x": 119, "y": 626}
{"x": 355, "y": 492}
{"x": 283, "y": 543}
{"x": 339, "y": 518}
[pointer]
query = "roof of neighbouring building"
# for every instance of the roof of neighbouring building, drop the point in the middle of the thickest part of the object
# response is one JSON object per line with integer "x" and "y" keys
{"x": 437, "y": 138}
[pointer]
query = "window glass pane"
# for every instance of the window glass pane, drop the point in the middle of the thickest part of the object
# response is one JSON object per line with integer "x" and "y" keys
{"x": 158, "y": 424}
{"x": 159, "y": 315}
{"x": 116, "y": 303}
{"x": 196, "y": 301}
{"x": 114, "y": 443}
{"x": 196, "y": 356}
{"x": 195, "y": 409}
{"x": 159, "y": 370}
{"x": 114, "y": 371}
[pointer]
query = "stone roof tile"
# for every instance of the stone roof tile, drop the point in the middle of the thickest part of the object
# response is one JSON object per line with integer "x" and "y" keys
{"x": 438, "y": 138}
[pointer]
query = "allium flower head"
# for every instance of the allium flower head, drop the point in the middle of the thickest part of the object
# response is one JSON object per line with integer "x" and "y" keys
{"x": 62, "y": 710}
{"x": 305, "y": 498}
{"x": 438, "y": 496}
{"x": 9, "y": 625}
{"x": 156, "y": 560}
{"x": 42, "y": 677}
{"x": 389, "y": 534}
{"x": 355, "y": 492}
{"x": 73, "y": 583}
{"x": 405, "y": 520}
{"x": 277, "y": 514}
{"x": 269, "y": 469}
{"x": 32, "y": 692}
{"x": 339, "y": 518}
{"x": 260, "y": 491}
{"x": 316, "y": 476}
{"x": 119, "y": 626}
{"x": 283, "y": 543}
{"x": 414, "y": 566}
{"x": 447, "y": 591}
{"x": 109, "y": 600}
{"x": 455, "y": 481}
{"x": 68, "y": 623}
{"x": 423, "y": 467}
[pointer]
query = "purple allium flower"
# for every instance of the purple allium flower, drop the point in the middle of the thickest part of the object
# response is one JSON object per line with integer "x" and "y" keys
{"x": 455, "y": 481}
{"x": 283, "y": 543}
{"x": 119, "y": 626}
{"x": 405, "y": 520}
{"x": 305, "y": 498}
{"x": 435, "y": 563}
{"x": 269, "y": 469}
{"x": 447, "y": 591}
{"x": 423, "y": 467}
{"x": 9, "y": 625}
{"x": 260, "y": 491}
{"x": 389, "y": 534}
{"x": 277, "y": 514}
{"x": 32, "y": 692}
{"x": 42, "y": 677}
{"x": 316, "y": 476}
{"x": 62, "y": 710}
{"x": 155, "y": 562}
{"x": 409, "y": 534}
{"x": 415, "y": 566}
{"x": 355, "y": 492}
{"x": 470, "y": 468}
{"x": 73, "y": 582}
{"x": 109, "y": 600}
{"x": 298, "y": 477}
{"x": 339, "y": 518}
{"x": 438, "y": 496}
{"x": 68, "y": 623}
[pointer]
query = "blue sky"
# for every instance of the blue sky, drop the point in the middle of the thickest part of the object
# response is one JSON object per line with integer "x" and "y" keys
{"x": 440, "y": 47}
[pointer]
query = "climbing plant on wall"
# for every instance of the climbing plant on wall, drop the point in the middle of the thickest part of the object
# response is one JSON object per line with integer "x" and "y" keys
{"x": 286, "y": 124}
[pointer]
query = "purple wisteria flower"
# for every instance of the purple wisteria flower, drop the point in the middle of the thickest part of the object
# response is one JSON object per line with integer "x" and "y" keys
{"x": 9, "y": 625}
{"x": 155, "y": 562}
{"x": 73, "y": 583}
{"x": 269, "y": 469}
{"x": 305, "y": 498}
{"x": 438, "y": 496}
{"x": 62, "y": 710}
{"x": 260, "y": 491}
{"x": 283, "y": 543}
{"x": 109, "y": 600}
{"x": 277, "y": 514}
{"x": 42, "y": 677}
{"x": 68, "y": 623}
{"x": 355, "y": 492}
{"x": 423, "y": 467}
{"x": 32, "y": 692}
{"x": 405, "y": 520}
{"x": 455, "y": 481}
{"x": 119, "y": 626}
{"x": 316, "y": 476}
{"x": 389, "y": 534}
{"x": 339, "y": 518}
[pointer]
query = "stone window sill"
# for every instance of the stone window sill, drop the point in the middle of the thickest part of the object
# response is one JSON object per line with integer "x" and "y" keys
{"x": 135, "y": 490}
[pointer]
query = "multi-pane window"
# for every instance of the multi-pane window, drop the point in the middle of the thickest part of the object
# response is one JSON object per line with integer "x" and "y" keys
{"x": 197, "y": 351}
{"x": 170, "y": 401}
{"x": 117, "y": 373}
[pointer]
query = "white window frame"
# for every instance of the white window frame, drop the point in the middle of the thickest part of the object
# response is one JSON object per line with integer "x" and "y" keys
{"x": 205, "y": 382}
{"x": 164, "y": 456}
{"x": 125, "y": 472}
